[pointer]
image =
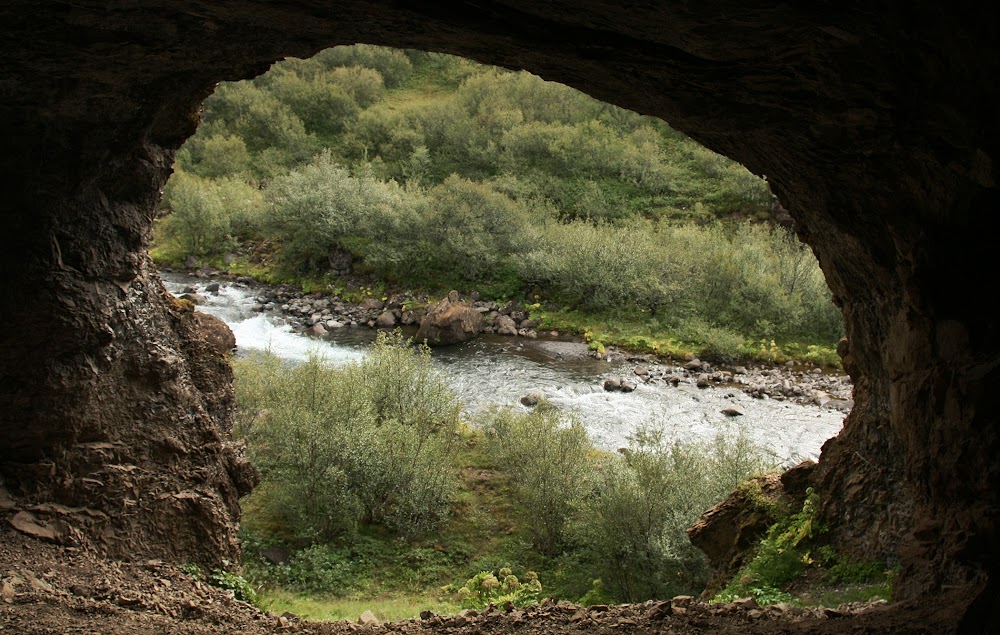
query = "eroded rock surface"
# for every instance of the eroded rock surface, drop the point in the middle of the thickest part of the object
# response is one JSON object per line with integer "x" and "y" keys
{"x": 450, "y": 321}
{"x": 876, "y": 127}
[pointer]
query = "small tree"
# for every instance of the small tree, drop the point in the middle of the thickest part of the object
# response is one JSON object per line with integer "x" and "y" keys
{"x": 635, "y": 518}
{"x": 332, "y": 456}
{"x": 547, "y": 454}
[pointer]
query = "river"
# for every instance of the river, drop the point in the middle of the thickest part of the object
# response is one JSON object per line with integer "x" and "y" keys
{"x": 495, "y": 370}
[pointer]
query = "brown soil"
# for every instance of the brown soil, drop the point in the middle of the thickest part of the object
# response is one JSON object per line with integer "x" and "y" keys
{"x": 48, "y": 589}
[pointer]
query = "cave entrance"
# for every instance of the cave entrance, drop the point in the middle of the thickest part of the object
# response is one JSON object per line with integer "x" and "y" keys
{"x": 877, "y": 135}
{"x": 378, "y": 176}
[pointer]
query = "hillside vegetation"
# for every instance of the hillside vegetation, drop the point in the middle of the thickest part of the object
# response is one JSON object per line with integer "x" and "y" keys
{"x": 431, "y": 172}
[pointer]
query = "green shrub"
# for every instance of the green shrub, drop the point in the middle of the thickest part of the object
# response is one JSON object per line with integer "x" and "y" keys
{"x": 783, "y": 555}
{"x": 334, "y": 452}
{"x": 206, "y": 215}
{"x": 487, "y": 587}
{"x": 635, "y": 519}
{"x": 235, "y": 584}
{"x": 547, "y": 454}
{"x": 392, "y": 64}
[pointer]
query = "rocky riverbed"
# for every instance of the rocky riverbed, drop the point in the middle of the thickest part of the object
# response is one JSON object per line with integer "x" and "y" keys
{"x": 320, "y": 315}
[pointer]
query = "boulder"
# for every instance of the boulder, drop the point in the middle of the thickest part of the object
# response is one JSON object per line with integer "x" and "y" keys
{"x": 450, "y": 322}
{"x": 316, "y": 329}
{"x": 215, "y": 332}
{"x": 409, "y": 317}
{"x": 532, "y": 398}
{"x": 386, "y": 320}
{"x": 505, "y": 325}
{"x": 694, "y": 364}
{"x": 729, "y": 532}
{"x": 372, "y": 304}
{"x": 194, "y": 298}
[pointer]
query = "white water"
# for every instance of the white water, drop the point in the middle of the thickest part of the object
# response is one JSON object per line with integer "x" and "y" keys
{"x": 499, "y": 371}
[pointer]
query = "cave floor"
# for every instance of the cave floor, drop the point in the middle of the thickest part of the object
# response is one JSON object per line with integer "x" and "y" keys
{"x": 48, "y": 588}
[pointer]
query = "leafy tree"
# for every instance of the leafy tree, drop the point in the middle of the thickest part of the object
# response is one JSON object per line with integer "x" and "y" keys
{"x": 393, "y": 65}
{"x": 320, "y": 208}
{"x": 205, "y": 214}
{"x": 547, "y": 454}
{"x": 476, "y": 228}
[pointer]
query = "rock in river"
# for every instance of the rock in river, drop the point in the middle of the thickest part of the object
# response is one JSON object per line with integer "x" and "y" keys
{"x": 450, "y": 322}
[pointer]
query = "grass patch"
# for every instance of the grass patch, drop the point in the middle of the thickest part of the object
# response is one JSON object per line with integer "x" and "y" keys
{"x": 792, "y": 565}
{"x": 388, "y": 607}
{"x": 648, "y": 335}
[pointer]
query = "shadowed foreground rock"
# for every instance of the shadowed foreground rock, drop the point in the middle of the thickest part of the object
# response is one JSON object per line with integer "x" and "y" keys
{"x": 876, "y": 125}
{"x": 45, "y": 589}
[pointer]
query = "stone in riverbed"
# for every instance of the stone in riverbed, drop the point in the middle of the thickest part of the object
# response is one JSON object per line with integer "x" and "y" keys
{"x": 505, "y": 325}
{"x": 386, "y": 320}
{"x": 450, "y": 322}
{"x": 316, "y": 329}
{"x": 532, "y": 398}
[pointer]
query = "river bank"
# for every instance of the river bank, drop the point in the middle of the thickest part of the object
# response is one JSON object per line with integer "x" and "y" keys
{"x": 322, "y": 315}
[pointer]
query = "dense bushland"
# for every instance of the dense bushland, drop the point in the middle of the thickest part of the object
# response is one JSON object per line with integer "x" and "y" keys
{"x": 431, "y": 171}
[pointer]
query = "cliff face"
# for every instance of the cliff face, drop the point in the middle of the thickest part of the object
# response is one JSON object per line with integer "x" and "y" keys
{"x": 876, "y": 126}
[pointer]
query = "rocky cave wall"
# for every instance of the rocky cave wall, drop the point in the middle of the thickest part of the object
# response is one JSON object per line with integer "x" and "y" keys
{"x": 876, "y": 124}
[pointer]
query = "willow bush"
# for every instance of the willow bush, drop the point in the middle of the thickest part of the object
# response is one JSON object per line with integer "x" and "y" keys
{"x": 548, "y": 456}
{"x": 333, "y": 453}
{"x": 633, "y": 520}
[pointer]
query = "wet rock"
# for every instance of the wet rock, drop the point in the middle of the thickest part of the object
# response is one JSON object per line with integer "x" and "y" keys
{"x": 731, "y": 412}
{"x": 612, "y": 384}
{"x": 194, "y": 298}
{"x": 694, "y": 364}
{"x": 386, "y": 320}
{"x": 504, "y": 325}
{"x": 703, "y": 381}
{"x": 450, "y": 322}
{"x": 409, "y": 317}
{"x": 532, "y": 398}
{"x": 316, "y": 330}
{"x": 371, "y": 304}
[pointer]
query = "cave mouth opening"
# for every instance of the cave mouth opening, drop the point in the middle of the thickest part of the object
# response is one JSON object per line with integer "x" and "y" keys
{"x": 888, "y": 172}
{"x": 394, "y": 131}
